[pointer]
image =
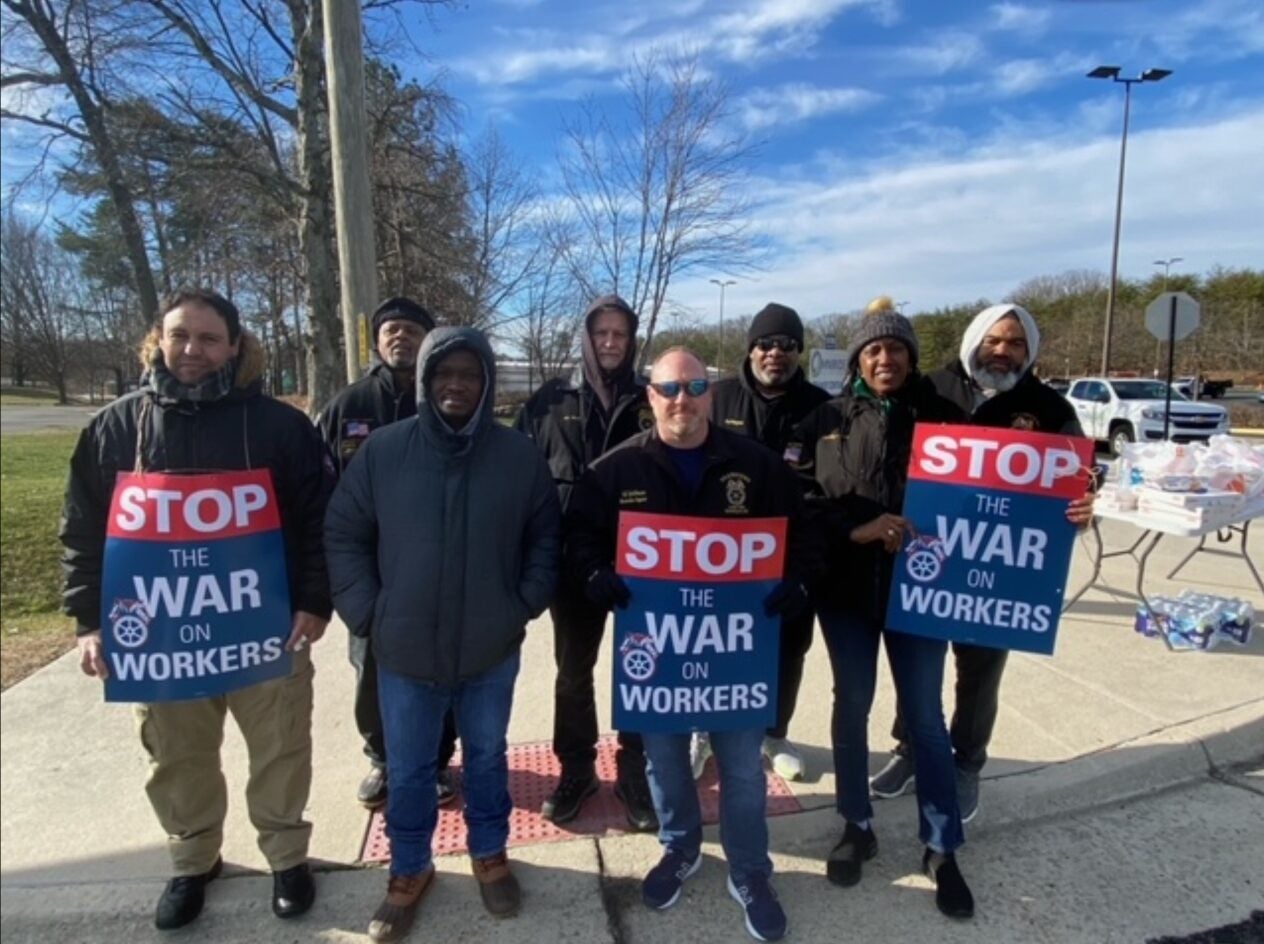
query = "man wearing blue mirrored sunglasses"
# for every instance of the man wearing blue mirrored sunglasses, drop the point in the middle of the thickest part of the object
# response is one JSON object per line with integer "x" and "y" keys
{"x": 687, "y": 465}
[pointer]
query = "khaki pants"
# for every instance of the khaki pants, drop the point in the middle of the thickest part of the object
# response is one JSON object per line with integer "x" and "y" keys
{"x": 186, "y": 784}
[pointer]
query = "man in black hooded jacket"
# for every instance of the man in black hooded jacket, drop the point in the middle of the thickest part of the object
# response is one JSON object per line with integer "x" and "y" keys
{"x": 573, "y": 422}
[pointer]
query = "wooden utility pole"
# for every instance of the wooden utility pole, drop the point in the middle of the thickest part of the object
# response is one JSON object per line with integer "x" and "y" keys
{"x": 353, "y": 196}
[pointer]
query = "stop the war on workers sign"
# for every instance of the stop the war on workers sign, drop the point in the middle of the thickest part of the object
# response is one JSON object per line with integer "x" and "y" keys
{"x": 693, "y": 649}
{"x": 989, "y": 563}
{"x": 194, "y": 596}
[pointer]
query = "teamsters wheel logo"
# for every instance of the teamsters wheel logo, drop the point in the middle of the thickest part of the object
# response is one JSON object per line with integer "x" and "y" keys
{"x": 925, "y": 558}
{"x": 129, "y": 621}
{"x": 639, "y": 656}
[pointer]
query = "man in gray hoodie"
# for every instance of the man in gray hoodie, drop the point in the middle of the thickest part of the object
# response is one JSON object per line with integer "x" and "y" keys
{"x": 443, "y": 541}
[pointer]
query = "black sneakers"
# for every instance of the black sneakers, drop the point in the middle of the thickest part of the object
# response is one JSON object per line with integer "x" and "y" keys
{"x": 968, "y": 793}
{"x": 372, "y": 791}
{"x": 564, "y": 803}
{"x": 633, "y": 790}
{"x": 182, "y": 899}
{"x": 893, "y": 779}
{"x": 952, "y": 894}
{"x": 445, "y": 787}
{"x": 848, "y": 857}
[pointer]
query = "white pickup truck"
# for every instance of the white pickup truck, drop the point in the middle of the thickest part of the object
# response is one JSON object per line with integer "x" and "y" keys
{"x": 1121, "y": 411}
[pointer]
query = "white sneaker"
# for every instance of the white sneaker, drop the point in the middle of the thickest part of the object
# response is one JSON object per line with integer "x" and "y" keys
{"x": 699, "y": 751}
{"x": 787, "y": 762}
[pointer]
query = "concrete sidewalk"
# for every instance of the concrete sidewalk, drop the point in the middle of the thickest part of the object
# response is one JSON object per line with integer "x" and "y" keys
{"x": 1119, "y": 805}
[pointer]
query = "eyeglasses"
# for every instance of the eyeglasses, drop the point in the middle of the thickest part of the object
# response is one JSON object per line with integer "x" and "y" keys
{"x": 779, "y": 342}
{"x": 671, "y": 388}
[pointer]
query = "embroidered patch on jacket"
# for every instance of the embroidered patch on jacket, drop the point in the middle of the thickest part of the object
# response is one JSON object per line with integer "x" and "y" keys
{"x": 644, "y": 418}
{"x": 1024, "y": 421}
{"x": 356, "y": 429}
{"x": 732, "y": 421}
{"x": 633, "y": 496}
{"x": 735, "y": 487}
{"x": 792, "y": 453}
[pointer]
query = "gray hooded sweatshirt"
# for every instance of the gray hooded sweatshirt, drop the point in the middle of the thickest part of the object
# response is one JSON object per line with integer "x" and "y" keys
{"x": 442, "y": 544}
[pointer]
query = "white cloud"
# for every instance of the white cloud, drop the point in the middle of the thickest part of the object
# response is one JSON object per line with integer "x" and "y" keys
{"x": 948, "y": 52}
{"x": 1019, "y": 18}
{"x": 945, "y": 231}
{"x": 793, "y": 102}
{"x": 614, "y": 36}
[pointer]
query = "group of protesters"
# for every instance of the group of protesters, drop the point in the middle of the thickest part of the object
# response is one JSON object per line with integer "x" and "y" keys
{"x": 437, "y": 534}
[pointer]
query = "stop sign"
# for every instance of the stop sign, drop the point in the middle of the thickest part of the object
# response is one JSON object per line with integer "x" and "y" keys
{"x": 1158, "y": 316}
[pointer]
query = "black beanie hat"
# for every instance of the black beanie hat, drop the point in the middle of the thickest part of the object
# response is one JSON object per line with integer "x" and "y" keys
{"x": 401, "y": 309}
{"x": 882, "y": 324}
{"x": 775, "y": 319}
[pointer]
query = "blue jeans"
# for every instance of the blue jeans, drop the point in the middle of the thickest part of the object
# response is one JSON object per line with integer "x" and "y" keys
{"x": 412, "y": 716}
{"x": 917, "y": 664}
{"x": 743, "y": 792}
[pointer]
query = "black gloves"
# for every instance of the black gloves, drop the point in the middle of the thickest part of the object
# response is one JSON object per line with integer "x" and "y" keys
{"x": 788, "y": 599}
{"x": 606, "y": 589}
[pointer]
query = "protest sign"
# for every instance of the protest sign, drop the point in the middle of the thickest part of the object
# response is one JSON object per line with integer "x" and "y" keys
{"x": 194, "y": 596}
{"x": 989, "y": 563}
{"x": 694, "y": 649}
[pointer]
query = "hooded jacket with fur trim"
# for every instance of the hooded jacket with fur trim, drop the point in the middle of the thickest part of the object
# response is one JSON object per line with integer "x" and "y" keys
{"x": 243, "y": 429}
{"x": 443, "y": 543}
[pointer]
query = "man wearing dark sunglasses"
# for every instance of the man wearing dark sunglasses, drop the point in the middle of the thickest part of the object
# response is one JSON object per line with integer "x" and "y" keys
{"x": 687, "y": 465}
{"x": 767, "y": 399}
{"x": 573, "y": 421}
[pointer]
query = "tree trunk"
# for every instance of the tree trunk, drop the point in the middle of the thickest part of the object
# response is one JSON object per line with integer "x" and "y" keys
{"x": 325, "y": 372}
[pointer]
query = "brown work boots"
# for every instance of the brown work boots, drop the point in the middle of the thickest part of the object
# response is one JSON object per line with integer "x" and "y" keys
{"x": 394, "y": 916}
{"x": 501, "y": 894}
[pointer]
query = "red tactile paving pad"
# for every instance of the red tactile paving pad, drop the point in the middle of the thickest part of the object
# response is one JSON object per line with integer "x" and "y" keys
{"x": 533, "y": 773}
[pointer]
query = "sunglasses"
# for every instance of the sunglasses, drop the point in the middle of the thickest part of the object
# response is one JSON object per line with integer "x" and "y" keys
{"x": 671, "y": 388}
{"x": 789, "y": 345}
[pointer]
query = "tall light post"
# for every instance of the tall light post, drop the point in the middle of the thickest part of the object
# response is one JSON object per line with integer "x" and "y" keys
{"x": 899, "y": 306}
{"x": 1112, "y": 73}
{"x": 719, "y": 355}
{"x": 1167, "y": 267}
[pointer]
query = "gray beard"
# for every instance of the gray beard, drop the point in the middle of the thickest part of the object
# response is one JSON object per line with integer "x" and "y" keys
{"x": 993, "y": 381}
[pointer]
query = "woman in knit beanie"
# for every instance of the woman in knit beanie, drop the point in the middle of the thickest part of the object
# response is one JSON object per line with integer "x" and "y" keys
{"x": 857, "y": 448}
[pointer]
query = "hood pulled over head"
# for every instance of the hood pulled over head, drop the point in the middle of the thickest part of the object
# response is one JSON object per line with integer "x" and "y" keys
{"x": 983, "y": 322}
{"x": 438, "y": 344}
{"x": 603, "y": 382}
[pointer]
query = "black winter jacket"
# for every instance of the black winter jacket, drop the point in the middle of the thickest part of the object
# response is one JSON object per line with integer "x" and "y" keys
{"x": 1031, "y": 404}
{"x": 740, "y": 479}
{"x": 373, "y": 401}
{"x": 853, "y": 456}
{"x": 442, "y": 544}
{"x": 738, "y": 406}
{"x": 570, "y": 427}
{"x": 242, "y": 430}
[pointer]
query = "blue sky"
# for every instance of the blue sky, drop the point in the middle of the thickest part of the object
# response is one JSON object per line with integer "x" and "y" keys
{"x": 936, "y": 151}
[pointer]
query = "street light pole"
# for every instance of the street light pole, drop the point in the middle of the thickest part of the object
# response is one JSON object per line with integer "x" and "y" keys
{"x": 1112, "y": 73}
{"x": 1167, "y": 266}
{"x": 719, "y": 355}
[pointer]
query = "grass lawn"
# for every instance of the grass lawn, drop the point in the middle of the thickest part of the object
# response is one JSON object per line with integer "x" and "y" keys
{"x": 33, "y": 470}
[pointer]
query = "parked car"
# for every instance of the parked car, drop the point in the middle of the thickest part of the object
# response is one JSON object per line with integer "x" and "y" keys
{"x": 1060, "y": 384}
{"x": 1197, "y": 388}
{"x": 1121, "y": 411}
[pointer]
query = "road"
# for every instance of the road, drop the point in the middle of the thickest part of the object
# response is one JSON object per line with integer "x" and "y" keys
{"x": 26, "y": 419}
